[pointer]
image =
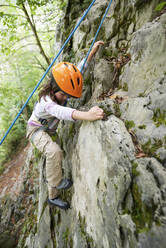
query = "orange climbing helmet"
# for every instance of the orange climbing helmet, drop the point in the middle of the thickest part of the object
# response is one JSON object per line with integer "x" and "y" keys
{"x": 68, "y": 78}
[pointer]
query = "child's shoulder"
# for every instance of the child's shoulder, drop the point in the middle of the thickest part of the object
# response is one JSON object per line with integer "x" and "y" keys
{"x": 46, "y": 99}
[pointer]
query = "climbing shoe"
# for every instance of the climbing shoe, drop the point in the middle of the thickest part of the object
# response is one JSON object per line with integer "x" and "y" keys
{"x": 57, "y": 202}
{"x": 65, "y": 184}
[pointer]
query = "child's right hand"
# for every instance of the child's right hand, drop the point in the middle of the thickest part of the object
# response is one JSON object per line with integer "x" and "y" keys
{"x": 95, "y": 113}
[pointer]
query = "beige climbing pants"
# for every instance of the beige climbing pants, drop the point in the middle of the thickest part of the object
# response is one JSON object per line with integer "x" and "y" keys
{"x": 43, "y": 142}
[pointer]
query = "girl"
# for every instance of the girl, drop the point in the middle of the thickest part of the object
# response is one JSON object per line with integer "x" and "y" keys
{"x": 66, "y": 80}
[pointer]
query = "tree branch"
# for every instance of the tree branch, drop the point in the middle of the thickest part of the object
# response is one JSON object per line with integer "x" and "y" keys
{"x": 39, "y": 63}
{"x": 12, "y": 6}
{"x": 13, "y": 15}
{"x": 26, "y": 37}
{"x": 30, "y": 44}
{"x": 33, "y": 27}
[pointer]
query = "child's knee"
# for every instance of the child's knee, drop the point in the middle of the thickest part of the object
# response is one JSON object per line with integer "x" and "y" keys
{"x": 54, "y": 150}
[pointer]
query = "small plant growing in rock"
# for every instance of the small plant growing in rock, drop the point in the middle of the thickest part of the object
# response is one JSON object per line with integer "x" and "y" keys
{"x": 141, "y": 94}
{"x": 160, "y": 6}
{"x": 142, "y": 215}
{"x": 150, "y": 149}
{"x": 129, "y": 124}
{"x": 117, "y": 109}
{"x": 142, "y": 127}
{"x": 159, "y": 117}
{"x": 125, "y": 87}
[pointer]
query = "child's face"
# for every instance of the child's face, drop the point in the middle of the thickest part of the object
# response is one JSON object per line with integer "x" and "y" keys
{"x": 61, "y": 97}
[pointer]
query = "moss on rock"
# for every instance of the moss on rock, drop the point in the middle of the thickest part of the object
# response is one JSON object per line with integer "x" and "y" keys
{"x": 134, "y": 169}
{"x": 117, "y": 109}
{"x": 142, "y": 215}
{"x": 85, "y": 236}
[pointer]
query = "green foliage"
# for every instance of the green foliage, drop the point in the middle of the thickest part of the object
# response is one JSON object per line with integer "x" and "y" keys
{"x": 21, "y": 64}
{"x": 2, "y": 168}
{"x": 16, "y": 27}
{"x": 150, "y": 149}
{"x": 107, "y": 52}
{"x": 134, "y": 169}
{"x": 34, "y": 4}
{"x": 11, "y": 143}
{"x": 160, "y": 6}
{"x": 141, "y": 94}
{"x": 106, "y": 109}
{"x": 159, "y": 117}
{"x": 12, "y": 98}
{"x": 125, "y": 87}
{"x": 129, "y": 124}
{"x": 117, "y": 109}
{"x": 142, "y": 127}
{"x": 61, "y": 4}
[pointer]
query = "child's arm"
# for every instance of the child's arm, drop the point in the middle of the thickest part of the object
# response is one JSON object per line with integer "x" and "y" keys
{"x": 94, "y": 50}
{"x": 95, "y": 113}
{"x": 92, "y": 53}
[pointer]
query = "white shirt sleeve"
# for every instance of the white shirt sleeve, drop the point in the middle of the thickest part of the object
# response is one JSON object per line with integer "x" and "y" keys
{"x": 60, "y": 112}
{"x": 79, "y": 66}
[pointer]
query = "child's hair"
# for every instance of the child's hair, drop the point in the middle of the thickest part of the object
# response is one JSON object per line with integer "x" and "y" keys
{"x": 49, "y": 89}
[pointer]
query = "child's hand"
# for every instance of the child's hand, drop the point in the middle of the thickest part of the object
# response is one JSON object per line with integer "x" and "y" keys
{"x": 95, "y": 113}
{"x": 96, "y": 46}
{"x": 95, "y": 49}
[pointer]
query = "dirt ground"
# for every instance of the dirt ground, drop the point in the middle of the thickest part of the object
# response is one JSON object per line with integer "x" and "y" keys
{"x": 11, "y": 178}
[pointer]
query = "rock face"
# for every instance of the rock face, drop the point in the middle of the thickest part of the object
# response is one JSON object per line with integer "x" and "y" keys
{"x": 118, "y": 166}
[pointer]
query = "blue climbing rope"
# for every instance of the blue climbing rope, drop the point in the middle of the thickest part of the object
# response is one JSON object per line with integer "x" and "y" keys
{"x": 104, "y": 16}
{"x": 67, "y": 40}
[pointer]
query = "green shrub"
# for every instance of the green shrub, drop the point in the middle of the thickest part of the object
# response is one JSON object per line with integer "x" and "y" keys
{"x": 159, "y": 117}
{"x": 129, "y": 124}
{"x": 2, "y": 168}
{"x": 160, "y": 6}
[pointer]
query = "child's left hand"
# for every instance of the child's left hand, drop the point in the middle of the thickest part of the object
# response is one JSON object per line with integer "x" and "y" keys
{"x": 96, "y": 46}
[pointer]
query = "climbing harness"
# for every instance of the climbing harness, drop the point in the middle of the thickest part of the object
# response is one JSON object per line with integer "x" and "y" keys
{"x": 66, "y": 42}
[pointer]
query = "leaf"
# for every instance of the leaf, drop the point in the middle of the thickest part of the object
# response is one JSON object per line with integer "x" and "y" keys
{"x": 19, "y": 2}
{"x": 113, "y": 96}
{"x": 160, "y": 6}
{"x": 119, "y": 99}
{"x": 140, "y": 155}
{"x": 1, "y": 14}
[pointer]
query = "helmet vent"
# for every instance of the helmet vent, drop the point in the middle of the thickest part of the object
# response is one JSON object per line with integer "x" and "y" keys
{"x": 78, "y": 81}
{"x": 74, "y": 68}
{"x": 66, "y": 65}
{"x": 72, "y": 83}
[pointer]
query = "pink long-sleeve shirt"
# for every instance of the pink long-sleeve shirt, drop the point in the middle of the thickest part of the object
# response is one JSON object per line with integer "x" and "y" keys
{"x": 47, "y": 109}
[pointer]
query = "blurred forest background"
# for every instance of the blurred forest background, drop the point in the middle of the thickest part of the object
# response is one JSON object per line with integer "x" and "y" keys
{"x": 27, "y": 30}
